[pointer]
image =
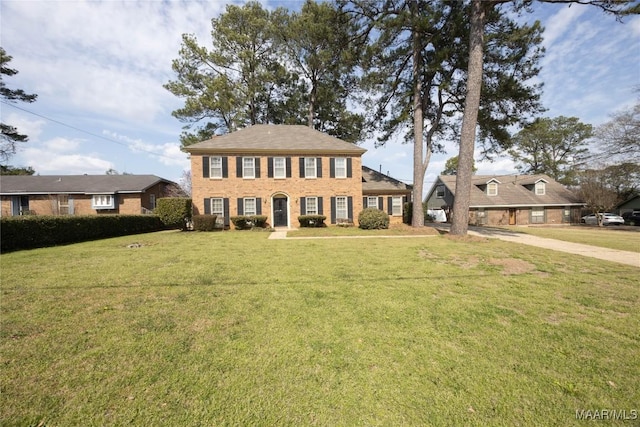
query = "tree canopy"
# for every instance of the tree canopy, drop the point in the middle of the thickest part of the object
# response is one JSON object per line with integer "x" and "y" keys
{"x": 553, "y": 146}
{"x": 9, "y": 134}
{"x": 267, "y": 67}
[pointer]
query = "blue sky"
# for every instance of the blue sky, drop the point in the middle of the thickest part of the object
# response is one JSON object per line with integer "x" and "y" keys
{"x": 98, "y": 69}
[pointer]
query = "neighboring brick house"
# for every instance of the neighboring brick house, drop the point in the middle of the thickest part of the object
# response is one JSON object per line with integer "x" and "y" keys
{"x": 510, "y": 200}
{"x": 82, "y": 194}
{"x": 282, "y": 172}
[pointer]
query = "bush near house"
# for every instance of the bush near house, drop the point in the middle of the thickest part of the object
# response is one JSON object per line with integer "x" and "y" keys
{"x": 38, "y": 231}
{"x": 373, "y": 219}
{"x": 312, "y": 220}
{"x": 247, "y": 222}
{"x": 174, "y": 212}
{"x": 205, "y": 223}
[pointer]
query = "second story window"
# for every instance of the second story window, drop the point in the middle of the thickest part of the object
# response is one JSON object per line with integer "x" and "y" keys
{"x": 215, "y": 167}
{"x": 279, "y": 167}
{"x": 309, "y": 167}
{"x": 540, "y": 188}
{"x": 492, "y": 189}
{"x": 248, "y": 167}
{"x": 341, "y": 167}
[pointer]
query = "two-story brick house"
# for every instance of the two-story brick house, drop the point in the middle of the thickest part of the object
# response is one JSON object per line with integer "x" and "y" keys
{"x": 279, "y": 171}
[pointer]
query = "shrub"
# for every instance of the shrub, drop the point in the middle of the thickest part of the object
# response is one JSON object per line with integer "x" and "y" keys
{"x": 174, "y": 212}
{"x": 373, "y": 219}
{"x": 36, "y": 231}
{"x": 205, "y": 222}
{"x": 312, "y": 220}
{"x": 247, "y": 222}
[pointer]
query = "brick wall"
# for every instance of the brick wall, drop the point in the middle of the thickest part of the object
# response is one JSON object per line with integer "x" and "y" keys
{"x": 294, "y": 188}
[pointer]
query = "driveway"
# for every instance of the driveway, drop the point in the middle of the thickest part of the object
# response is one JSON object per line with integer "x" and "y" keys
{"x": 613, "y": 255}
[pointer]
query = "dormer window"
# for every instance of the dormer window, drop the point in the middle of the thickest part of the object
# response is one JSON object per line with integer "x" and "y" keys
{"x": 492, "y": 187}
{"x": 540, "y": 188}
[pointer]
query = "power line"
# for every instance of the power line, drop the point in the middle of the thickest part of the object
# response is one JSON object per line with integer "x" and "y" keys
{"x": 85, "y": 131}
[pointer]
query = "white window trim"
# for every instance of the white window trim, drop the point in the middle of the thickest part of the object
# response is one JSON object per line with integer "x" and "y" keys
{"x": 246, "y": 168}
{"x": 307, "y": 167}
{"x": 540, "y": 185}
{"x": 244, "y": 207}
{"x": 492, "y": 189}
{"x": 309, "y": 211}
{"x": 215, "y": 172}
{"x": 537, "y": 213}
{"x": 103, "y": 201}
{"x": 396, "y": 206}
{"x": 283, "y": 171}
{"x": 375, "y": 202}
{"x": 346, "y": 207}
{"x": 342, "y": 169}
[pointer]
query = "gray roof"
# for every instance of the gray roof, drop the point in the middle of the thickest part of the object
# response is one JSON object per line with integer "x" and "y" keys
{"x": 275, "y": 139}
{"x": 514, "y": 190}
{"x": 77, "y": 184}
{"x": 377, "y": 182}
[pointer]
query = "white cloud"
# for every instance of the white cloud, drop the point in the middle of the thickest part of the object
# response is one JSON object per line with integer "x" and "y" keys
{"x": 45, "y": 162}
{"x": 168, "y": 153}
{"x": 25, "y": 126}
{"x": 563, "y": 21}
{"x": 62, "y": 145}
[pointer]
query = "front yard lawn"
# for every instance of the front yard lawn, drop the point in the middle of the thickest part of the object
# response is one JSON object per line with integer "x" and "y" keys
{"x": 234, "y": 329}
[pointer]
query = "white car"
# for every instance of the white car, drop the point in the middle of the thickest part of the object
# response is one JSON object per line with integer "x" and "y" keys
{"x": 607, "y": 219}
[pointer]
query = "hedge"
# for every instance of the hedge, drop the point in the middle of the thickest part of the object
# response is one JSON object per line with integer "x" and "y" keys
{"x": 373, "y": 219}
{"x": 174, "y": 212}
{"x": 205, "y": 223}
{"x": 312, "y": 220}
{"x": 247, "y": 222}
{"x": 37, "y": 231}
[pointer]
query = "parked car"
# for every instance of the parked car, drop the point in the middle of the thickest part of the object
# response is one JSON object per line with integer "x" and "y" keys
{"x": 631, "y": 218}
{"x": 607, "y": 219}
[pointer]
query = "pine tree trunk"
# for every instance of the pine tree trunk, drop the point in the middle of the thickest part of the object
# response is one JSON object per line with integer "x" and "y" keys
{"x": 460, "y": 222}
{"x": 417, "y": 219}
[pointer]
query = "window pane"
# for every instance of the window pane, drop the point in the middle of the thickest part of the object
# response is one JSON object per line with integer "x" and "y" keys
{"x": 247, "y": 170}
{"x": 250, "y": 206}
{"x": 397, "y": 206}
{"x": 312, "y": 205}
{"x": 279, "y": 167}
{"x": 341, "y": 207}
{"x": 310, "y": 167}
{"x": 217, "y": 207}
{"x": 216, "y": 167}
{"x": 372, "y": 202}
{"x": 341, "y": 167}
{"x": 492, "y": 189}
{"x": 540, "y": 188}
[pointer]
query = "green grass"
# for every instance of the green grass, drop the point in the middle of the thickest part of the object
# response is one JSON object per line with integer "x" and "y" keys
{"x": 627, "y": 239}
{"x": 333, "y": 231}
{"x": 234, "y": 329}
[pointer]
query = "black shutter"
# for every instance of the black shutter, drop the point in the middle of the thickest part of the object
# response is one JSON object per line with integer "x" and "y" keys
{"x": 319, "y": 167}
{"x": 269, "y": 167}
{"x": 349, "y": 165}
{"x": 389, "y": 205}
{"x": 320, "y": 210}
{"x": 364, "y": 202}
{"x": 225, "y": 167}
{"x": 333, "y": 210}
{"x": 239, "y": 167}
{"x": 301, "y": 167}
{"x": 240, "y": 207}
{"x": 303, "y": 206}
{"x": 288, "y": 167}
{"x": 207, "y": 206}
{"x": 332, "y": 167}
{"x": 258, "y": 205}
{"x": 257, "y": 167}
{"x": 350, "y": 208}
{"x": 381, "y": 203}
{"x": 205, "y": 167}
{"x": 225, "y": 206}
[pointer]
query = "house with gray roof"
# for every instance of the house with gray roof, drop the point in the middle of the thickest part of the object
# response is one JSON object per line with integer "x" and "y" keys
{"x": 287, "y": 171}
{"x": 509, "y": 200}
{"x": 82, "y": 194}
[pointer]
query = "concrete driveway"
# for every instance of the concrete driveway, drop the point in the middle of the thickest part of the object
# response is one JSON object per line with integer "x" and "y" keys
{"x": 613, "y": 255}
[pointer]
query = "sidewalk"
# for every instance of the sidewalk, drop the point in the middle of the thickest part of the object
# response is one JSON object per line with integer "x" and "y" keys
{"x": 613, "y": 255}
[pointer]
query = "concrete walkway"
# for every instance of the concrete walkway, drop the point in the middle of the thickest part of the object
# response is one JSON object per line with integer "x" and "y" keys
{"x": 613, "y": 255}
